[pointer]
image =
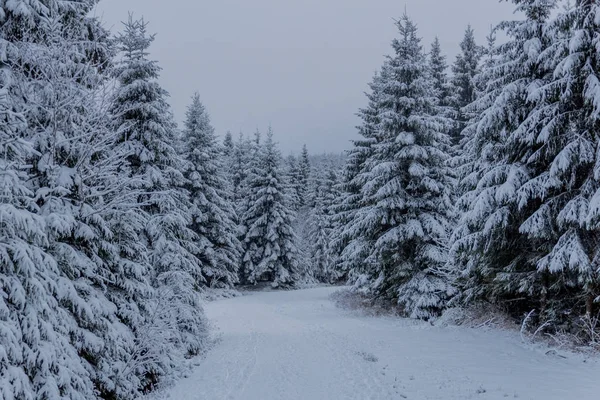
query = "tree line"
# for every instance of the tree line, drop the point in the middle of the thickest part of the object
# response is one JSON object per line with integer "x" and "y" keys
{"x": 482, "y": 184}
{"x": 113, "y": 221}
{"x": 472, "y": 183}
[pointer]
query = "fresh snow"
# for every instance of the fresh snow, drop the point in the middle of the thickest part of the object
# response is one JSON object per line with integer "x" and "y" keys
{"x": 299, "y": 345}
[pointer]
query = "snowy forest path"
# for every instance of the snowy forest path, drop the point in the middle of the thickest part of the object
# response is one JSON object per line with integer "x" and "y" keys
{"x": 299, "y": 345}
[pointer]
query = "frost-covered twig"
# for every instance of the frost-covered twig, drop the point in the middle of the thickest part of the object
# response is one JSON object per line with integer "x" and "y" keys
{"x": 545, "y": 324}
{"x": 486, "y": 323}
{"x": 523, "y": 329}
{"x": 558, "y": 339}
{"x": 590, "y": 327}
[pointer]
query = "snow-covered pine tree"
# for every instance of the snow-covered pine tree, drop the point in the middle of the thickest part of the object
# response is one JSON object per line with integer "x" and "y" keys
{"x": 348, "y": 242}
{"x": 239, "y": 166}
{"x": 294, "y": 195}
{"x": 487, "y": 86}
{"x": 439, "y": 73}
{"x": 270, "y": 252}
{"x": 78, "y": 194}
{"x": 147, "y": 133}
{"x": 213, "y": 212}
{"x": 56, "y": 55}
{"x": 248, "y": 151}
{"x": 489, "y": 56}
{"x": 556, "y": 148}
{"x": 443, "y": 91}
{"x": 578, "y": 164}
{"x": 33, "y": 324}
{"x": 228, "y": 145}
{"x": 500, "y": 182}
{"x": 304, "y": 177}
{"x": 321, "y": 224}
{"x": 464, "y": 70}
{"x": 319, "y": 242}
{"x": 407, "y": 193}
{"x": 292, "y": 179}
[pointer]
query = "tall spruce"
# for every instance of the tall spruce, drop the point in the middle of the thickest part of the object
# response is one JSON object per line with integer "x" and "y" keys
{"x": 292, "y": 179}
{"x": 406, "y": 193}
{"x": 270, "y": 252}
{"x": 304, "y": 177}
{"x": 508, "y": 225}
{"x": 212, "y": 207}
{"x": 240, "y": 164}
{"x": 248, "y": 153}
{"x": 464, "y": 70}
{"x": 321, "y": 224}
{"x": 228, "y": 145}
{"x": 349, "y": 243}
{"x": 439, "y": 73}
{"x": 87, "y": 307}
{"x": 571, "y": 155}
{"x": 33, "y": 322}
{"x": 558, "y": 155}
{"x": 465, "y": 166}
{"x": 147, "y": 133}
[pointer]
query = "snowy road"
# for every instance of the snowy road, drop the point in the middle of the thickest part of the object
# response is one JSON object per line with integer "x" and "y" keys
{"x": 298, "y": 345}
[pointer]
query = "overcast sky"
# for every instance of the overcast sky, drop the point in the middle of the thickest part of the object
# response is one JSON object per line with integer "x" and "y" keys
{"x": 300, "y": 65}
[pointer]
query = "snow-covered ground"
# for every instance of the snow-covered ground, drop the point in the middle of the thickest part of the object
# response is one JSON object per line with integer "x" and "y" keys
{"x": 298, "y": 345}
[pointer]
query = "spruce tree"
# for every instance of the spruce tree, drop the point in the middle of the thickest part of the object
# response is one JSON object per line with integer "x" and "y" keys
{"x": 304, "y": 176}
{"x": 32, "y": 320}
{"x": 228, "y": 145}
{"x": 557, "y": 150}
{"x": 212, "y": 207}
{"x": 464, "y": 70}
{"x": 240, "y": 164}
{"x": 58, "y": 60}
{"x": 321, "y": 223}
{"x": 298, "y": 194}
{"x": 439, "y": 72}
{"x": 406, "y": 192}
{"x": 349, "y": 242}
{"x": 248, "y": 153}
{"x": 573, "y": 164}
{"x": 465, "y": 167}
{"x": 292, "y": 179}
{"x": 493, "y": 243}
{"x": 269, "y": 240}
{"x": 147, "y": 133}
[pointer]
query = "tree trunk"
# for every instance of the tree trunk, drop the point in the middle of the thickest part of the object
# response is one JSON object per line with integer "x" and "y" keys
{"x": 589, "y": 305}
{"x": 544, "y": 296}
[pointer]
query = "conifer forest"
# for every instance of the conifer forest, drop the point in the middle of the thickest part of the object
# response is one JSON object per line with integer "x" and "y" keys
{"x": 470, "y": 190}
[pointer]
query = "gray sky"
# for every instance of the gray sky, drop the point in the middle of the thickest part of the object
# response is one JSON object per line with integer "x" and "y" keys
{"x": 300, "y": 65}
